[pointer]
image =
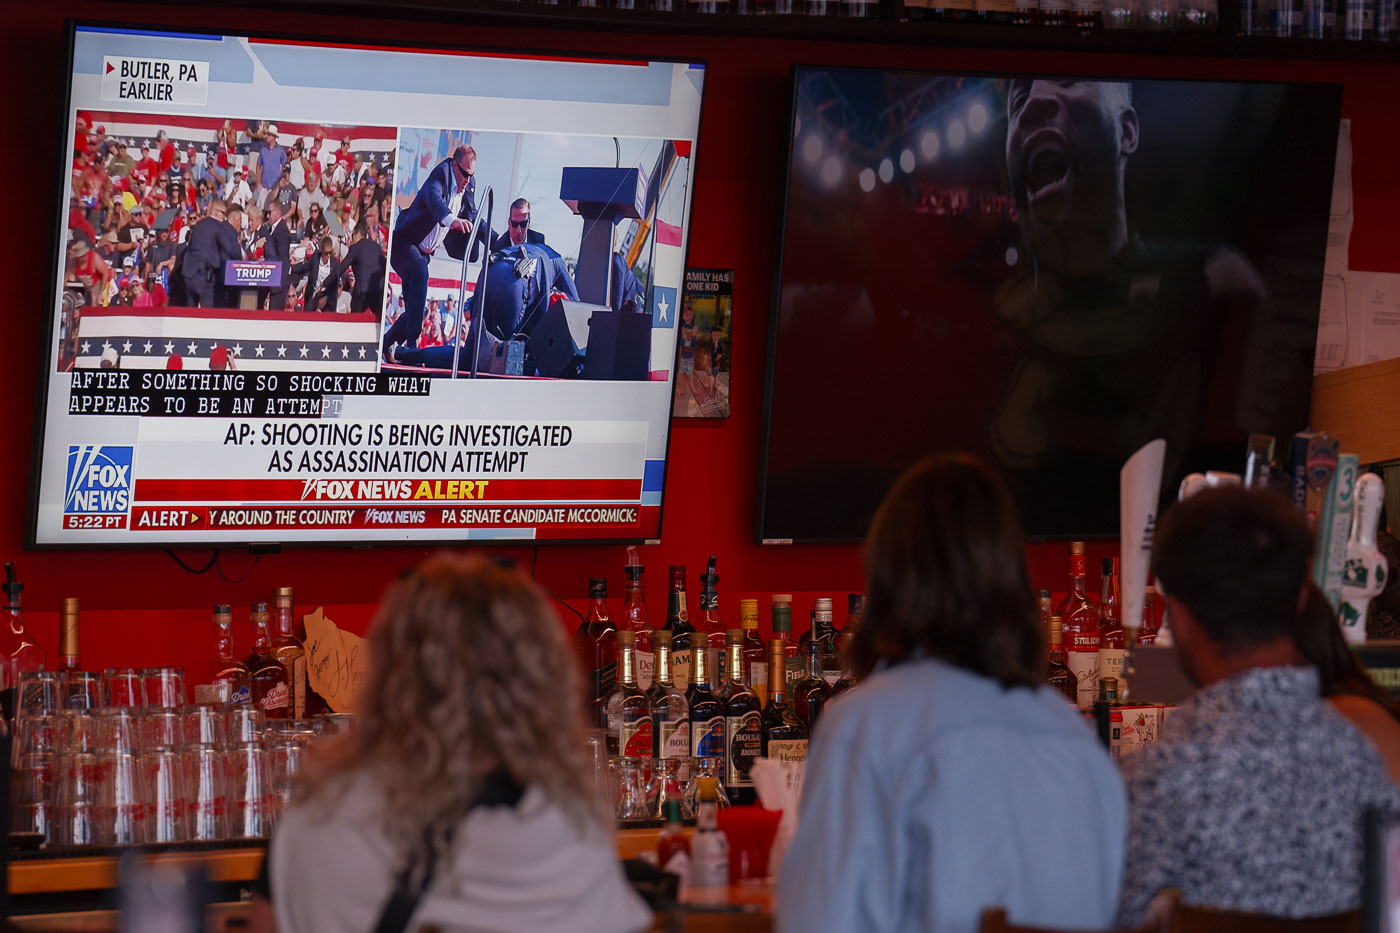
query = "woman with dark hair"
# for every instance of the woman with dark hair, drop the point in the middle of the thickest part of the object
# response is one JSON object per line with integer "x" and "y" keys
{"x": 1344, "y": 682}
{"x": 949, "y": 781}
{"x": 466, "y": 790}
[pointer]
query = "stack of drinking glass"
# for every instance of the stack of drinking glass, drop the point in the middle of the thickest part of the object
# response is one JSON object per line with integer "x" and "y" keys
{"x": 124, "y": 759}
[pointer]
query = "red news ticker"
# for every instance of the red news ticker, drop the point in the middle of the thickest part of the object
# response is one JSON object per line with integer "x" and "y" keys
{"x": 397, "y": 492}
{"x": 550, "y": 520}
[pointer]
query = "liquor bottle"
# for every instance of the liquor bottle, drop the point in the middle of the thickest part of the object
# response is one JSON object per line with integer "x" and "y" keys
{"x": 630, "y": 733}
{"x": 18, "y": 652}
{"x": 1046, "y": 604}
{"x": 784, "y": 735}
{"x": 634, "y": 615}
{"x": 678, "y": 624}
{"x": 69, "y": 659}
{"x": 711, "y": 625}
{"x": 672, "y": 841}
{"x": 1057, "y": 675}
{"x": 1086, "y": 14}
{"x": 1081, "y": 628}
{"x": 706, "y": 717}
{"x": 755, "y": 654}
{"x": 793, "y": 667}
{"x": 709, "y": 848}
{"x": 855, "y": 611}
{"x": 670, "y": 714}
{"x": 1025, "y": 13}
{"x": 288, "y": 650}
{"x": 823, "y": 631}
{"x": 848, "y": 678}
{"x": 1147, "y": 635}
{"x": 595, "y": 640}
{"x": 809, "y": 695}
{"x": 1108, "y": 690}
{"x": 743, "y": 726}
{"x": 1054, "y": 13}
{"x": 1112, "y": 645}
{"x": 268, "y": 678}
{"x": 227, "y": 679}
{"x": 995, "y": 12}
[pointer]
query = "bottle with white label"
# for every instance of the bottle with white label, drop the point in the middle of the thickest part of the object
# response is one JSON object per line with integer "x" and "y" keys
{"x": 706, "y": 714}
{"x": 634, "y": 613}
{"x": 683, "y": 635}
{"x": 1112, "y": 644}
{"x": 629, "y": 714}
{"x": 743, "y": 727}
{"x": 709, "y": 847}
{"x": 670, "y": 714}
{"x": 1081, "y": 629}
{"x": 1363, "y": 575}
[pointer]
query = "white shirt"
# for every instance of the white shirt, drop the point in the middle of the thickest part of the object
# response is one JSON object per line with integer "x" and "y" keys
{"x": 434, "y": 238}
{"x": 521, "y": 868}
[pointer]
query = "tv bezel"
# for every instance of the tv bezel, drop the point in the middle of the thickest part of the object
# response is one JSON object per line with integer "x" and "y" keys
{"x": 58, "y": 225}
{"x": 775, "y": 300}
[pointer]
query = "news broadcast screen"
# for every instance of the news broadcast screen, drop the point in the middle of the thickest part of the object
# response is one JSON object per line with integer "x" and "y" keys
{"x": 312, "y": 292}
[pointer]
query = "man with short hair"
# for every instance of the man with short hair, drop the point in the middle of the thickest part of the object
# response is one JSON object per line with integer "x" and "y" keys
{"x": 1253, "y": 798}
{"x": 277, "y": 247}
{"x": 519, "y": 230}
{"x": 365, "y": 261}
{"x": 322, "y": 272}
{"x": 212, "y": 242}
{"x": 121, "y": 164}
{"x": 311, "y": 194}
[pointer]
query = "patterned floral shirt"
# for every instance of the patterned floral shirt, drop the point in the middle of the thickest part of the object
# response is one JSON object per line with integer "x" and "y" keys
{"x": 1253, "y": 800}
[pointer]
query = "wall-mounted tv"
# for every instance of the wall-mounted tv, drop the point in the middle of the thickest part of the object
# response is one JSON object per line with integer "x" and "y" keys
{"x": 309, "y": 291}
{"x": 1048, "y": 271}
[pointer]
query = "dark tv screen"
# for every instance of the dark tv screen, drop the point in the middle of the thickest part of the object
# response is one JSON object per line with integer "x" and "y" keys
{"x": 1048, "y": 272}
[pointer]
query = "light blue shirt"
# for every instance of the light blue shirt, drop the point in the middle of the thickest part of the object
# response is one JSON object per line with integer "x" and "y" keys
{"x": 932, "y": 794}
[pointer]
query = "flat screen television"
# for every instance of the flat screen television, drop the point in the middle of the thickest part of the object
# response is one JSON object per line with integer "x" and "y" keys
{"x": 309, "y": 291}
{"x": 1046, "y": 271}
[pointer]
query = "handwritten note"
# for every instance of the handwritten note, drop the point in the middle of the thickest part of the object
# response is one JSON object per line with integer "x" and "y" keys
{"x": 337, "y": 662}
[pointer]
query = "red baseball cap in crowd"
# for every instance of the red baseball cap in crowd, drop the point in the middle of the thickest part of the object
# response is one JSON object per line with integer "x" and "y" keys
{"x": 218, "y": 359}
{"x": 175, "y": 362}
{"x": 101, "y": 130}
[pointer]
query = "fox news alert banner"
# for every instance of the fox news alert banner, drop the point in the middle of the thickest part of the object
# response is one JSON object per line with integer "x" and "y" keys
{"x": 310, "y": 436}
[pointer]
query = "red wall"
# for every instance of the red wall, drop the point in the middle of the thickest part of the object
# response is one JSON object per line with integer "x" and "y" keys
{"x": 141, "y": 608}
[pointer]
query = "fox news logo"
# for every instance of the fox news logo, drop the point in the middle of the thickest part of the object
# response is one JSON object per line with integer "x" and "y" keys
{"x": 99, "y": 481}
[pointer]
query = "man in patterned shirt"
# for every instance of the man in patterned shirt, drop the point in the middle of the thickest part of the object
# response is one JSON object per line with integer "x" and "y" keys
{"x": 1253, "y": 798}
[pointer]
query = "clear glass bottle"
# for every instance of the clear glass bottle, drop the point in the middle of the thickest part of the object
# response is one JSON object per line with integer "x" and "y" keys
{"x": 1112, "y": 643}
{"x": 670, "y": 713}
{"x": 743, "y": 726}
{"x": 1057, "y": 675}
{"x": 1081, "y": 628}
{"x": 19, "y": 654}
{"x": 630, "y": 727}
{"x": 289, "y": 651}
{"x": 823, "y": 631}
{"x": 268, "y": 678}
{"x": 848, "y": 677}
{"x": 226, "y": 680}
{"x": 811, "y": 693}
{"x": 634, "y": 615}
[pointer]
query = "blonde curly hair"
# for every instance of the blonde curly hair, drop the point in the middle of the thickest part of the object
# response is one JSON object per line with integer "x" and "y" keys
{"x": 470, "y": 671}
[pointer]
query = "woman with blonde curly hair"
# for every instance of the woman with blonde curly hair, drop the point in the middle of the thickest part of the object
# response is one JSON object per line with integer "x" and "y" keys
{"x": 465, "y": 797}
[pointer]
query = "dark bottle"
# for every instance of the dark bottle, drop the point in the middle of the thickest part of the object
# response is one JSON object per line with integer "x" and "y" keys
{"x": 793, "y": 666}
{"x": 823, "y": 631}
{"x": 809, "y": 695}
{"x": 627, "y": 708}
{"x": 268, "y": 678}
{"x": 711, "y": 625}
{"x": 678, "y": 624}
{"x": 755, "y": 652}
{"x": 784, "y": 735}
{"x": 743, "y": 726}
{"x": 848, "y": 679}
{"x": 706, "y": 716}
{"x": 596, "y": 643}
{"x": 69, "y": 654}
{"x": 226, "y": 679}
{"x": 1057, "y": 675}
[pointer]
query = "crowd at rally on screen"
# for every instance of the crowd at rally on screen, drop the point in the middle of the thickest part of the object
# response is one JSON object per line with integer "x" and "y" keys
{"x": 311, "y": 203}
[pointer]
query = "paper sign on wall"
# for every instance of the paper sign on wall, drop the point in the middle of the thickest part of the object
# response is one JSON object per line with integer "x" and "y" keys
{"x": 337, "y": 662}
